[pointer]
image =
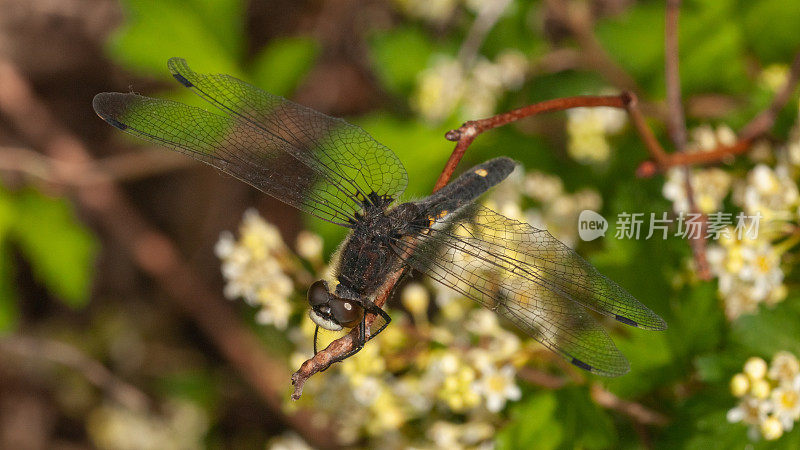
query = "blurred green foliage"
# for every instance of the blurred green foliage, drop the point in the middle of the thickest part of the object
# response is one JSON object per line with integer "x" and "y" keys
{"x": 683, "y": 373}
{"x": 58, "y": 247}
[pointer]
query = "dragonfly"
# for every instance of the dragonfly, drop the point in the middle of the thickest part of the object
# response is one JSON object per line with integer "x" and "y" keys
{"x": 336, "y": 172}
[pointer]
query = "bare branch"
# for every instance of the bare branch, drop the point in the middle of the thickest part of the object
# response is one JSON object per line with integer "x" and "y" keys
{"x": 637, "y": 412}
{"x": 62, "y": 353}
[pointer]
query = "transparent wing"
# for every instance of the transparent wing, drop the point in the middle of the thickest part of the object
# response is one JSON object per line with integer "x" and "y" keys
{"x": 529, "y": 277}
{"x": 345, "y": 153}
{"x": 316, "y": 163}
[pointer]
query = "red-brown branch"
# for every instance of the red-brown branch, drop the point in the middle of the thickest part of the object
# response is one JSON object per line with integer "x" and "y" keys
{"x": 757, "y": 127}
{"x": 466, "y": 133}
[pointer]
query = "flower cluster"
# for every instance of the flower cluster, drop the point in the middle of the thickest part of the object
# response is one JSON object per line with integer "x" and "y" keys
{"x": 588, "y": 130}
{"x": 258, "y": 267}
{"x": 448, "y": 87}
{"x": 710, "y": 186}
{"x": 749, "y": 274}
{"x": 748, "y": 268}
{"x": 769, "y": 396}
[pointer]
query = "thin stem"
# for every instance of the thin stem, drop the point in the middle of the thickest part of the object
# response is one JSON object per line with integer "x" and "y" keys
{"x": 677, "y": 124}
{"x": 466, "y": 133}
{"x": 676, "y": 121}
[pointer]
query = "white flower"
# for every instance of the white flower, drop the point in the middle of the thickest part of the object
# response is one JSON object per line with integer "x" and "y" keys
{"x": 416, "y": 299}
{"x": 740, "y": 384}
{"x": 750, "y": 411}
{"x": 755, "y": 368}
{"x": 771, "y": 192}
{"x": 784, "y": 368}
{"x": 254, "y": 268}
{"x": 771, "y": 428}
{"x": 497, "y": 386}
{"x": 710, "y": 187}
{"x": 439, "y": 89}
{"x": 309, "y": 245}
{"x": 749, "y": 273}
{"x": 786, "y": 405}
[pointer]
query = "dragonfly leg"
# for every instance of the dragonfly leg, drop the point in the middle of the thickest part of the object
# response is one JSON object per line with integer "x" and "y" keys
{"x": 316, "y": 332}
{"x": 384, "y": 315}
{"x": 359, "y": 344}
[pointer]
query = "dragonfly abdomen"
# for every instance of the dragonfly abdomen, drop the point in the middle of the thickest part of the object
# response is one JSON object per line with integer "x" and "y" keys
{"x": 466, "y": 188}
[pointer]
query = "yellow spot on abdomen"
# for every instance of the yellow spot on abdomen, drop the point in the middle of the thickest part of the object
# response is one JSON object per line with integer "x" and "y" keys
{"x": 481, "y": 172}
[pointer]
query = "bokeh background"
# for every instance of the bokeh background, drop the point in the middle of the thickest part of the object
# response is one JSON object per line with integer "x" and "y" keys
{"x": 147, "y": 301}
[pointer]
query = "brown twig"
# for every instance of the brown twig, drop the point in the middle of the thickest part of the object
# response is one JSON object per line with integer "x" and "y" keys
{"x": 677, "y": 126}
{"x": 757, "y": 127}
{"x": 466, "y": 133}
{"x": 635, "y": 411}
{"x": 68, "y": 174}
{"x": 639, "y": 413}
{"x": 156, "y": 255}
{"x": 675, "y": 119}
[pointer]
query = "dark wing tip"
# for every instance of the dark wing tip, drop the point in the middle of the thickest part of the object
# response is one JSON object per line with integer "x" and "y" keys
{"x": 616, "y": 371}
{"x": 178, "y": 66}
{"x": 107, "y": 106}
{"x": 626, "y": 321}
{"x": 577, "y": 362}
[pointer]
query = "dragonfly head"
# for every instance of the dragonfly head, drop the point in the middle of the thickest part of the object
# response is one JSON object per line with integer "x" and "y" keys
{"x": 330, "y": 311}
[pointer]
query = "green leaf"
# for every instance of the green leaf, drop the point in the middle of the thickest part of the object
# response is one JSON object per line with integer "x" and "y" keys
{"x": 9, "y": 312}
{"x": 208, "y": 33}
{"x": 586, "y": 424}
{"x": 533, "y": 424}
{"x": 399, "y": 56}
{"x": 771, "y": 28}
{"x": 635, "y": 39}
{"x": 60, "y": 249}
{"x": 717, "y": 49}
{"x": 770, "y": 329}
{"x": 698, "y": 323}
{"x": 282, "y": 64}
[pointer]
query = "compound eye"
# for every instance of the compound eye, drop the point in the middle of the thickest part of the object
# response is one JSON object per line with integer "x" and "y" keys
{"x": 318, "y": 294}
{"x": 345, "y": 312}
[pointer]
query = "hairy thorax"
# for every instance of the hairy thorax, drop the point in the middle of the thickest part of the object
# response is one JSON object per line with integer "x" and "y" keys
{"x": 368, "y": 256}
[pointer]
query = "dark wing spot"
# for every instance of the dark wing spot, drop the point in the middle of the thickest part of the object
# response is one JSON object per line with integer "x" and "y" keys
{"x": 115, "y": 123}
{"x": 581, "y": 364}
{"x": 626, "y": 321}
{"x": 182, "y": 80}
